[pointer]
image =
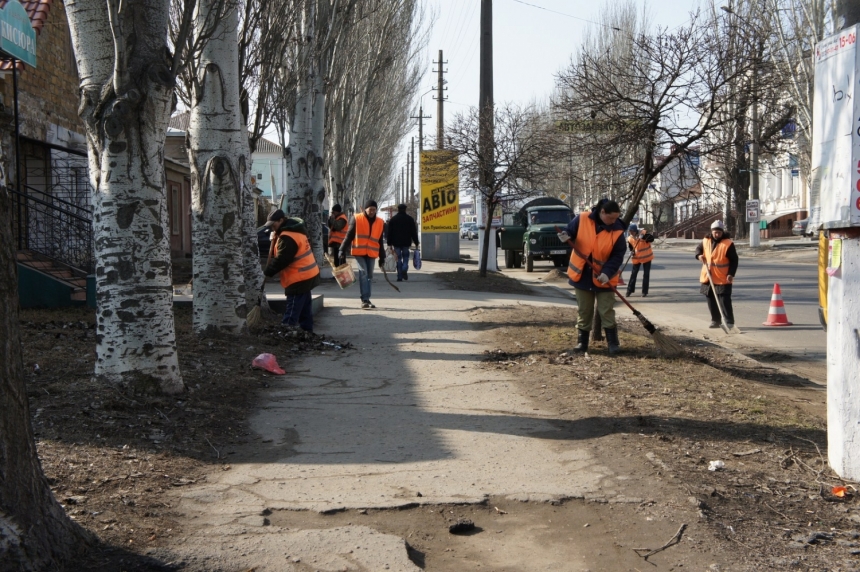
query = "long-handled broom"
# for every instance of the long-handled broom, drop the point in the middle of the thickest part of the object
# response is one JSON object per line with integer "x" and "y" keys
{"x": 725, "y": 323}
{"x": 664, "y": 343}
{"x": 254, "y": 319}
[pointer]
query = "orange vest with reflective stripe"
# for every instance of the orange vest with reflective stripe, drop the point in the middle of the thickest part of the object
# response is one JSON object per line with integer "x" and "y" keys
{"x": 599, "y": 246}
{"x": 367, "y": 239}
{"x": 337, "y": 235}
{"x": 304, "y": 265}
{"x": 717, "y": 259}
{"x": 641, "y": 250}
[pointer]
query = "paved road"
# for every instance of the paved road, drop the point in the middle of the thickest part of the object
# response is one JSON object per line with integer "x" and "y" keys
{"x": 674, "y": 300}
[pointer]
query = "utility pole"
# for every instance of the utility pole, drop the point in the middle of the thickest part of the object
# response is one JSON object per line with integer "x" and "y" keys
{"x": 421, "y": 117}
{"x": 440, "y": 100}
{"x": 843, "y": 236}
{"x": 411, "y": 197}
{"x": 755, "y": 239}
{"x": 486, "y": 139}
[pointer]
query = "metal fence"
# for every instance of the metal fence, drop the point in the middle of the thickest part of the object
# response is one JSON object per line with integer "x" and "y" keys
{"x": 51, "y": 212}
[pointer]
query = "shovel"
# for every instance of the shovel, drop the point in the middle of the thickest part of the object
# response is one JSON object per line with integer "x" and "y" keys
{"x": 724, "y": 324}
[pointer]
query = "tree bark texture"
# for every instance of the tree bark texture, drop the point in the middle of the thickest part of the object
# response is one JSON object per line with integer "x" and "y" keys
{"x": 35, "y": 532}
{"x": 127, "y": 96}
{"x": 306, "y": 186}
{"x": 218, "y": 155}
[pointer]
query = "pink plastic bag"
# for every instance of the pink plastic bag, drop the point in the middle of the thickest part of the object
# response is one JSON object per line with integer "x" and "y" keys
{"x": 267, "y": 362}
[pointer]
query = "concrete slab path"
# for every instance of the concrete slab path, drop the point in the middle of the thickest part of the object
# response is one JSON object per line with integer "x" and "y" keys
{"x": 406, "y": 417}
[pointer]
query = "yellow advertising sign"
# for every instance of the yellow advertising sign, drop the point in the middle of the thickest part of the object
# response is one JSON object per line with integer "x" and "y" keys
{"x": 440, "y": 192}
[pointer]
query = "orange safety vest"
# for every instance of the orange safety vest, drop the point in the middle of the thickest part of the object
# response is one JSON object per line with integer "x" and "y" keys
{"x": 641, "y": 250}
{"x": 337, "y": 235}
{"x": 304, "y": 265}
{"x": 598, "y": 246}
{"x": 367, "y": 240}
{"x": 717, "y": 259}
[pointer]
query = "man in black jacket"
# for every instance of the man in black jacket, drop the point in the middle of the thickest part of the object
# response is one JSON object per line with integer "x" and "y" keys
{"x": 402, "y": 232}
{"x": 294, "y": 261}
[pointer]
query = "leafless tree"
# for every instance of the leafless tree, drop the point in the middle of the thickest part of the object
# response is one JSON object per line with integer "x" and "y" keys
{"x": 653, "y": 97}
{"x": 523, "y": 157}
{"x": 369, "y": 103}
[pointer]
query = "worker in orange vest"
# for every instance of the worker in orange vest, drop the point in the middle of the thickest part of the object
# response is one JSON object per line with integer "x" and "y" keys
{"x": 639, "y": 243}
{"x": 294, "y": 260}
{"x": 718, "y": 252}
{"x": 598, "y": 242}
{"x": 364, "y": 235}
{"x": 336, "y": 233}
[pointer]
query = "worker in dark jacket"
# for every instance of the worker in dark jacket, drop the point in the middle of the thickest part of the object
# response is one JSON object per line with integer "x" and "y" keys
{"x": 294, "y": 260}
{"x": 719, "y": 257}
{"x": 400, "y": 235}
{"x": 598, "y": 238}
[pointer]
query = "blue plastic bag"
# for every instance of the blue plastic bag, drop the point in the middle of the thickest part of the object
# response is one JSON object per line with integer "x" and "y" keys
{"x": 416, "y": 259}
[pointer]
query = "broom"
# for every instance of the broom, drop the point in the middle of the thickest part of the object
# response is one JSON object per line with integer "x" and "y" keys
{"x": 255, "y": 316}
{"x": 664, "y": 343}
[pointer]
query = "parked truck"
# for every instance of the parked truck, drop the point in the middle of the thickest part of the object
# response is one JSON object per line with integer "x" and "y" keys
{"x": 529, "y": 234}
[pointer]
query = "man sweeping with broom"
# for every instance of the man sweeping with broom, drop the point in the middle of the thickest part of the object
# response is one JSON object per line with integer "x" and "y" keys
{"x": 598, "y": 242}
{"x": 294, "y": 260}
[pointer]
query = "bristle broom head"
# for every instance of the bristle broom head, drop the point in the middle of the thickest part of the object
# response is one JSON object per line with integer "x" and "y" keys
{"x": 254, "y": 318}
{"x": 667, "y": 345}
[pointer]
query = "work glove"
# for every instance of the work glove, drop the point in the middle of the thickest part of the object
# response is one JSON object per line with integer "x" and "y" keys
{"x": 563, "y": 237}
{"x": 341, "y": 255}
{"x": 648, "y": 238}
{"x": 381, "y": 262}
{"x": 603, "y": 278}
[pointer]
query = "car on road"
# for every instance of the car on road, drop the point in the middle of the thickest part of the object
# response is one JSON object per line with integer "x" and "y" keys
{"x": 799, "y": 228}
{"x": 469, "y": 231}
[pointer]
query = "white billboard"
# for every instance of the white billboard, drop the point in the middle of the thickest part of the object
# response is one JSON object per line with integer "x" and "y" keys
{"x": 836, "y": 131}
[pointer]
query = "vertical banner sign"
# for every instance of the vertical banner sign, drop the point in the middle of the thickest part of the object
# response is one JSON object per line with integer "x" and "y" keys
{"x": 440, "y": 192}
{"x": 836, "y": 131}
{"x": 17, "y": 36}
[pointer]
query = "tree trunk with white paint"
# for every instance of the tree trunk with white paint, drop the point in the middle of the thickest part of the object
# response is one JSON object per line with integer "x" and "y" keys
{"x": 251, "y": 269}
{"x": 127, "y": 95}
{"x": 306, "y": 190}
{"x": 218, "y": 155}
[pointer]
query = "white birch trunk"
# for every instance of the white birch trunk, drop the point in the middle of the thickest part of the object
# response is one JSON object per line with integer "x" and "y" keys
{"x": 251, "y": 270}
{"x": 126, "y": 101}
{"x": 217, "y": 150}
{"x": 306, "y": 185}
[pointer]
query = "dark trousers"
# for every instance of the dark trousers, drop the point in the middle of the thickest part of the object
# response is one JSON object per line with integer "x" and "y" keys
{"x": 402, "y": 253}
{"x": 299, "y": 311}
{"x": 646, "y": 277}
{"x": 334, "y": 253}
{"x": 726, "y": 298}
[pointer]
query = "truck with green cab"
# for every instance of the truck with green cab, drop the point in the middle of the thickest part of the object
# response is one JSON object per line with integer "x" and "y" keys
{"x": 530, "y": 234}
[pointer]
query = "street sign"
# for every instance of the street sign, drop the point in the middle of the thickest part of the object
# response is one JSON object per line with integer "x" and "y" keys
{"x": 17, "y": 36}
{"x": 563, "y": 197}
{"x": 753, "y": 212}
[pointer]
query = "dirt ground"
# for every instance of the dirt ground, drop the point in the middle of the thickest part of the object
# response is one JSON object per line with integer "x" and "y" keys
{"x": 113, "y": 456}
{"x": 771, "y": 505}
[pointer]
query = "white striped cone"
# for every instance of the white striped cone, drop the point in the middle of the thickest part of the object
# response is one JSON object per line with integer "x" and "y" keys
{"x": 776, "y": 314}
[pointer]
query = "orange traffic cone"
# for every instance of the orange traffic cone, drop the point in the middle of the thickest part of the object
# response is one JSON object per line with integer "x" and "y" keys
{"x": 776, "y": 315}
